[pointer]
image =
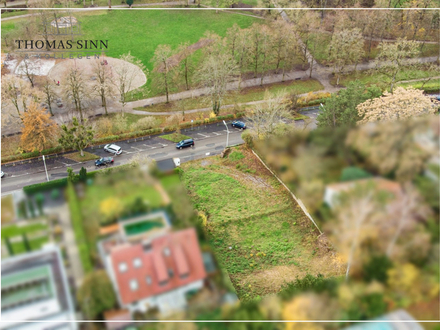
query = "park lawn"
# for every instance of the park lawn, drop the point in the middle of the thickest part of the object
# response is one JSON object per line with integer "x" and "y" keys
{"x": 322, "y": 41}
{"x": 432, "y": 86}
{"x": 76, "y": 156}
{"x": 175, "y": 137}
{"x": 259, "y": 234}
{"x": 141, "y": 31}
{"x": 370, "y": 77}
{"x": 14, "y": 13}
{"x": 248, "y": 94}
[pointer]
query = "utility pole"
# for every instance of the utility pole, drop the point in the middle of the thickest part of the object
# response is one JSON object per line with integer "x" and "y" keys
{"x": 45, "y": 168}
{"x": 227, "y": 136}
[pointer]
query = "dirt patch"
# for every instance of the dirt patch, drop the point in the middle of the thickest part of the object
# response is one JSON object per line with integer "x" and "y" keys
{"x": 271, "y": 280}
{"x": 175, "y": 59}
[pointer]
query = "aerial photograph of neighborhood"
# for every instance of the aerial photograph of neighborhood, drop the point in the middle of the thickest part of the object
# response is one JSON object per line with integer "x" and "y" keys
{"x": 220, "y": 164}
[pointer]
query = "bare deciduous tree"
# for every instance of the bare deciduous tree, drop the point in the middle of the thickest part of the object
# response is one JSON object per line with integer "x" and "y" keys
{"x": 75, "y": 89}
{"x": 49, "y": 93}
{"x": 103, "y": 85}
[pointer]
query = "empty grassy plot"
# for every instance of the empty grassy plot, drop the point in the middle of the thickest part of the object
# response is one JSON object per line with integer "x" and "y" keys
{"x": 260, "y": 236}
{"x": 175, "y": 137}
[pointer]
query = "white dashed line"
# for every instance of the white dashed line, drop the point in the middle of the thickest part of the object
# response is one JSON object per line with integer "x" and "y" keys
{"x": 216, "y": 133}
{"x": 203, "y": 135}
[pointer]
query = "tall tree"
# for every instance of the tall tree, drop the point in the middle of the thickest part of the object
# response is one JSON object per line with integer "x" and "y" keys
{"x": 392, "y": 57}
{"x": 75, "y": 89}
{"x": 38, "y": 129}
{"x": 49, "y": 93}
{"x": 78, "y": 137}
{"x": 96, "y": 295}
{"x": 103, "y": 85}
{"x": 187, "y": 64}
{"x": 340, "y": 109}
{"x": 266, "y": 116}
{"x": 256, "y": 45}
{"x": 28, "y": 68}
{"x": 130, "y": 70}
{"x": 215, "y": 73}
{"x": 266, "y": 51}
{"x": 402, "y": 104}
{"x": 163, "y": 68}
{"x": 346, "y": 47}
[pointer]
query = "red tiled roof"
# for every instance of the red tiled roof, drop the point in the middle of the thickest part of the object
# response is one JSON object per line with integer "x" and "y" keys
{"x": 184, "y": 258}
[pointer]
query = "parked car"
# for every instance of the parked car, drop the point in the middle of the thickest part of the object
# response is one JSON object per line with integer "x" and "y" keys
{"x": 2, "y": 174}
{"x": 185, "y": 143}
{"x": 113, "y": 148}
{"x": 238, "y": 124}
{"x": 104, "y": 161}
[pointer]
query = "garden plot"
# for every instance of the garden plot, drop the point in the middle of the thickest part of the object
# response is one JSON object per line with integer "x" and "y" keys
{"x": 260, "y": 235}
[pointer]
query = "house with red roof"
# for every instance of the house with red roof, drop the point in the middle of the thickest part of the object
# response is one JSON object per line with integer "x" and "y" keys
{"x": 157, "y": 272}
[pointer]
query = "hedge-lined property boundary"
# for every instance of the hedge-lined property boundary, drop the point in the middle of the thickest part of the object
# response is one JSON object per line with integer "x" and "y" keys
{"x": 120, "y": 137}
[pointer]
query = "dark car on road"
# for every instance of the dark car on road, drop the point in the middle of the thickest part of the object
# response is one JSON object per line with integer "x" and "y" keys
{"x": 185, "y": 143}
{"x": 104, "y": 161}
{"x": 238, "y": 124}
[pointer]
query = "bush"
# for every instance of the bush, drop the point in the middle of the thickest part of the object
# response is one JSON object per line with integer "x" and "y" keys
{"x": 377, "y": 268}
{"x": 31, "y": 208}
{"x": 38, "y": 187}
{"x": 354, "y": 173}
{"x": 309, "y": 283}
{"x": 55, "y": 194}
{"x": 82, "y": 174}
{"x": 22, "y": 210}
{"x": 248, "y": 139}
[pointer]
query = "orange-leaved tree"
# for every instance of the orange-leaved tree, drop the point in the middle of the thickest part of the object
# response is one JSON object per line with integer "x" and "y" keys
{"x": 38, "y": 129}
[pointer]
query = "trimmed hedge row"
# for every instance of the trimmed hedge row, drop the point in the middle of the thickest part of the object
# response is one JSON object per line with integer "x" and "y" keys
{"x": 113, "y": 138}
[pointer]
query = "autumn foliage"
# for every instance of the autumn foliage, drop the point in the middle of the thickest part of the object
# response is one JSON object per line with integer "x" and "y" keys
{"x": 38, "y": 129}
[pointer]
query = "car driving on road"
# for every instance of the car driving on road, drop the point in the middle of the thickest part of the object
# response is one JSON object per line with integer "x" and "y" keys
{"x": 113, "y": 148}
{"x": 185, "y": 143}
{"x": 104, "y": 161}
{"x": 238, "y": 124}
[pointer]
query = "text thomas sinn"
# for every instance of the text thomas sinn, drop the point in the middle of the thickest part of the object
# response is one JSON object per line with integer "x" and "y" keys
{"x": 60, "y": 46}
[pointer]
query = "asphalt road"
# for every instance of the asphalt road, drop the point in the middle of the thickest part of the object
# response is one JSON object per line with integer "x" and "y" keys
{"x": 209, "y": 140}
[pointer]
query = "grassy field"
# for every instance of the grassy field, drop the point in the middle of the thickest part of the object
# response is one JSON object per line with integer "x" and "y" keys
{"x": 370, "y": 77}
{"x": 245, "y": 95}
{"x": 76, "y": 156}
{"x": 19, "y": 247}
{"x": 260, "y": 236}
{"x": 322, "y": 41}
{"x": 432, "y": 86}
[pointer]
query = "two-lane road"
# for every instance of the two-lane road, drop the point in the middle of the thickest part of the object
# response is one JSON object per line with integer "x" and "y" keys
{"x": 209, "y": 140}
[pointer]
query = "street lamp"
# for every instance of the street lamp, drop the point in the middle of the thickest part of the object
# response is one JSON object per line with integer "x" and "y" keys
{"x": 227, "y": 136}
{"x": 45, "y": 168}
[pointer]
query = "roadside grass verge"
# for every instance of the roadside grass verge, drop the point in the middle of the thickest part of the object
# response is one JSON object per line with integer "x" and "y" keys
{"x": 175, "y": 137}
{"x": 259, "y": 234}
{"x": 371, "y": 77}
{"x": 76, "y": 156}
{"x": 245, "y": 95}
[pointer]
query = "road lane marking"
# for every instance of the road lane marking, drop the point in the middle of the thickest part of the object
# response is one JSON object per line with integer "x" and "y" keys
{"x": 203, "y": 135}
{"x": 216, "y": 133}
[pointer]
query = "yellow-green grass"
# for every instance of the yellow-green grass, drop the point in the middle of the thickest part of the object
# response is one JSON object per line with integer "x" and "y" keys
{"x": 175, "y": 137}
{"x": 371, "y": 77}
{"x": 249, "y": 94}
{"x": 76, "y": 156}
{"x": 260, "y": 235}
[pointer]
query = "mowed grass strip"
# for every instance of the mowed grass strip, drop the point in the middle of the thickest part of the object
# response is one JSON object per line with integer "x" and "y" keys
{"x": 175, "y": 137}
{"x": 260, "y": 236}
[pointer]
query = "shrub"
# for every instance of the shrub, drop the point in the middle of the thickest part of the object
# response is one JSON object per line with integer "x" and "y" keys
{"x": 354, "y": 173}
{"x": 144, "y": 124}
{"x": 248, "y": 139}
{"x": 309, "y": 283}
{"x": 236, "y": 155}
{"x": 71, "y": 176}
{"x": 82, "y": 174}
{"x": 31, "y": 208}
{"x": 39, "y": 199}
{"x": 377, "y": 268}
{"x": 22, "y": 210}
{"x": 34, "y": 188}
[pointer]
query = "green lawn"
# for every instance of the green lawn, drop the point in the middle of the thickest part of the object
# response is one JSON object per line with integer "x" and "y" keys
{"x": 370, "y": 77}
{"x": 175, "y": 137}
{"x": 322, "y": 41}
{"x": 432, "y": 86}
{"x": 19, "y": 247}
{"x": 76, "y": 156}
{"x": 253, "y": 225}
{"x": 140, "y": 32}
